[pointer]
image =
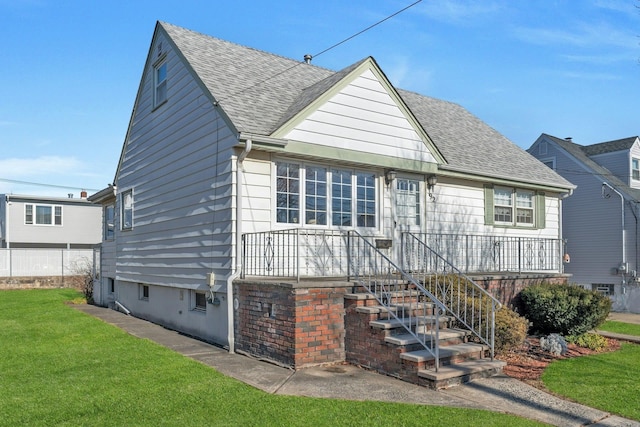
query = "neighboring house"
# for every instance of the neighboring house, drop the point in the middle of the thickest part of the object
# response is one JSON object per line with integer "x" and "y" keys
{"x": 48, "y": 222}
{"x": 47, "y": 241}
{"x": 254, "y": 193}
{"x": 600, "y": 219}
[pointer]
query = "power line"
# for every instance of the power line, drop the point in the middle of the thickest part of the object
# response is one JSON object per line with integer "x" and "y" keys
{"x": 368, "y": 28}
{"x": 39, "y": 184}
{"x": 323, "y": 51}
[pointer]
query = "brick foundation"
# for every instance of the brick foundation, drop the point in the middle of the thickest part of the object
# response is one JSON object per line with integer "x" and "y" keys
{"x": 295, "y": 324}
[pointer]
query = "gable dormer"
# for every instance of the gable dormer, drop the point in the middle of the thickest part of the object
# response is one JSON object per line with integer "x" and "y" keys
{"x": 621, "y": 157}
{"x": 363, "y": 116}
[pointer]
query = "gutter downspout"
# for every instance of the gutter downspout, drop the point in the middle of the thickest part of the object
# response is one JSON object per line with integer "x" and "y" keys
{"x": 624, "y": 252}
{"x": 238, "y": 264}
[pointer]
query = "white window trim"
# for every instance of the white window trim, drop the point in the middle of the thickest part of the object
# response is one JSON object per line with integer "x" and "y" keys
{"x": 34, "y": 215}
{"x": 302, "y": 177}
{"x": 537, "y": 208}
{"x": 633, "y": 178}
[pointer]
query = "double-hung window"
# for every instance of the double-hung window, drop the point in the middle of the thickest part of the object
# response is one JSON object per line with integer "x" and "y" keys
{"x": 42, "y": 214}
{"x": 160, "y": 83}
{"x": 635, "y": 169}
{"x": 108, "y": 217}
{"x": 336, "y": 197}
{"x": 514, "y": 207}
{"x": 126, "y": 210}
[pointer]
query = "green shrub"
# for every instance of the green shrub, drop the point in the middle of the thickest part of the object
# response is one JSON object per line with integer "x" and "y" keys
{"x": 511, "y": 330}
{"x": 563, "y": 309}
{"x": 589, "y": 340}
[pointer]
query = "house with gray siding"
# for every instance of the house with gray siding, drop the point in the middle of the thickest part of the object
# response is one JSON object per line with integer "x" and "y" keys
{"x": 255, "y": 194}
{"x": 600, "y": 219}
{"x": 48, "y": 222}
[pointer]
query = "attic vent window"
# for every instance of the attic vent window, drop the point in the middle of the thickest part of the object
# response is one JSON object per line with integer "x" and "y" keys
{"x": 160, "y": 83}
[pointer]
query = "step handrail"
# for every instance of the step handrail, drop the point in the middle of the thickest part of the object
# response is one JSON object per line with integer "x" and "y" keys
{"x": 415, "y": 308}
{"x": 463, "y": 298}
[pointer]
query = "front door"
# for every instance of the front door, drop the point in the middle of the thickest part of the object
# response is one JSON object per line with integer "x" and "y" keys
{"x": 409, "y": 209}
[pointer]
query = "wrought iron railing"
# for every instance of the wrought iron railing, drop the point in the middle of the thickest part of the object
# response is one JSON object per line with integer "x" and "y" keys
{"x": 481, "y": 253}
{"x": 473, "y": 307}
{"x": 295, "y": 253}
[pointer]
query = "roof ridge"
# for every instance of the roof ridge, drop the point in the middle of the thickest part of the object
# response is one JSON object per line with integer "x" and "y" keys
{"x": 301, "y": 62}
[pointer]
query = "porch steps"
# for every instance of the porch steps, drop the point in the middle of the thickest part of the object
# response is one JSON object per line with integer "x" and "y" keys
{"x": 387, "y": 347}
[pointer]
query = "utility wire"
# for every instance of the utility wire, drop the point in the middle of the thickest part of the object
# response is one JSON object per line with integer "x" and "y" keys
{"x": 321, "y": 52}
{"x": 39, "y": 184}
{"x": 367, "y": 29}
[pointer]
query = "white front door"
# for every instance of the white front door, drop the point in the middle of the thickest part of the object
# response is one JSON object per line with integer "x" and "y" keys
{"x": 408, "y": 210}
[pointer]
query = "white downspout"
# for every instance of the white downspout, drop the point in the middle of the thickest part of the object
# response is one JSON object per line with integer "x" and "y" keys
{"x": 624, "y": 252}
{"x": 238, "y": 256}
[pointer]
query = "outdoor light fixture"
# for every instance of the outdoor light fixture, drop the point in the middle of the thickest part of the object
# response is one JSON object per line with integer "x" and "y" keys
{"x": 389, "y": 176}
{"x": 432, "y": 180}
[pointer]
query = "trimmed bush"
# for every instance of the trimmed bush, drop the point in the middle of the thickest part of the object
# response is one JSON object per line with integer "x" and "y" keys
{"x": 563, "y": 309}
{"x": 511, "y": 330}
{"x": 589, "y": 340}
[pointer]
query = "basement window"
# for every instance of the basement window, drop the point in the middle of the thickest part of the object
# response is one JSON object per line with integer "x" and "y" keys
{"x": 144, "y": 292}
{"x": 199, "y": 301}
{"x": 603, "y": 288}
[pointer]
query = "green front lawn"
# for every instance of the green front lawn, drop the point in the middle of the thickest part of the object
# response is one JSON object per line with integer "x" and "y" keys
{"x": 607, "y": 381}
{"x": 620, "y": 328}
{"x": 61, "y": 367}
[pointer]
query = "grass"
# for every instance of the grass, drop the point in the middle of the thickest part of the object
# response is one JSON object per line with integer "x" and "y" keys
{"x": 620, "y": 328}
{"x": 61, "y": 367}
{"x": 607, "y": 381}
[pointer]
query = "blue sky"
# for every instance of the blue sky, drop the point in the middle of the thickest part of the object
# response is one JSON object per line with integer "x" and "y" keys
{"x": 70, "y": 69}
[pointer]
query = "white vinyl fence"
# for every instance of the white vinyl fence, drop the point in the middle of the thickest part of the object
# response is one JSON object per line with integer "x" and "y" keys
{"x": 45, "y": 262}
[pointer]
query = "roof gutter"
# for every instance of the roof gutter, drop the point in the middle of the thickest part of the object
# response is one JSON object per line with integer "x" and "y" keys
{"x": 238, "y": 264}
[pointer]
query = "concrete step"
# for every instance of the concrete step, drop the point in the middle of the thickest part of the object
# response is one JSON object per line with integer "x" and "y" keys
{"x": 463, "y": 372}
{"x": 409, "y": 322}
{"x": 444, "y": 335}
{"x": 466, "y": 350}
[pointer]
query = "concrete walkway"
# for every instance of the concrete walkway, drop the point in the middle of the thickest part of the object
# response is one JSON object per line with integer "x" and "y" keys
{"x": 625, "y": 318}
{"x": 501, "y": 393}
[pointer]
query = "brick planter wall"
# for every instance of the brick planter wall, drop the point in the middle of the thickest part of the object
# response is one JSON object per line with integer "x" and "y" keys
{"x": 42, "y": 282}
{"x": 505, "y": 288}
{"x": 294, "y": 324}
{"x": 365, "y": 345}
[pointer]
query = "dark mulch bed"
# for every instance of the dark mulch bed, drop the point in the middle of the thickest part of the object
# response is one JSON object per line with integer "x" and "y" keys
{"x": 527, "y": 362}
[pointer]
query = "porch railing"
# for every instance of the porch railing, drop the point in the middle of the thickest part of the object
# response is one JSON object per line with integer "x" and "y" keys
{"x": 481, "y": 253}
{"x": 295, "y": 253}
{"x": 473, "y": 307}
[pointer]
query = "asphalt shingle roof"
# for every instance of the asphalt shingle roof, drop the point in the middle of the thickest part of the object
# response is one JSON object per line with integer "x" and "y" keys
{"x": 579, "y": 152}
{"x": 609, "y": 146}
{"x": 260, "y": 91}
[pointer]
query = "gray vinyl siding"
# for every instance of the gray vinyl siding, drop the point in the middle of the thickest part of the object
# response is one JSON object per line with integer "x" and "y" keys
{"x": 177, "y": 162}
{"x": 618, "y": 162}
